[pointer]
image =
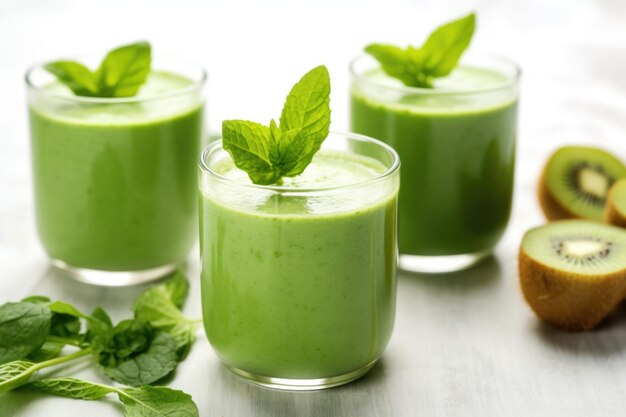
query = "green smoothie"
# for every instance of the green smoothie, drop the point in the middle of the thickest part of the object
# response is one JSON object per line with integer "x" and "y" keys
{"x": 115, "y": 182}
{"x": 300, "y": 286}
{"x": 457, "y": 152}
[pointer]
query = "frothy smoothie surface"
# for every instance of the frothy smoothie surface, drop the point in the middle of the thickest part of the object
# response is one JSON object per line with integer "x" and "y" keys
{"x": 159, "y": 84}
{"x": 439, "y": 100}
{"x": 462, "y": 78}
{"x": 329, "y": 169}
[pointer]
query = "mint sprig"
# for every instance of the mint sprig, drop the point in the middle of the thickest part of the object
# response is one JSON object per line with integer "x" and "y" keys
{"x": 137, "y": 352}
{"x": 268, "y": 153}
{"x": 437, "y": 57}
{"x": 120, "y": 74}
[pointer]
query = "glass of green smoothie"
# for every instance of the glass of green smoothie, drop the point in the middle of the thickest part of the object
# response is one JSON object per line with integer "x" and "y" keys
{"x": 114, "y": 177}
{"x": 456, "y": 141}
{"x": 298, "y": 279}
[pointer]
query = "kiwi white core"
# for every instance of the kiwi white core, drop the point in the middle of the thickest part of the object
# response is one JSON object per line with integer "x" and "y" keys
{"x": 594, "y": 183}
{"x": 582, "y": 247}
{"x": 578, "y": 246}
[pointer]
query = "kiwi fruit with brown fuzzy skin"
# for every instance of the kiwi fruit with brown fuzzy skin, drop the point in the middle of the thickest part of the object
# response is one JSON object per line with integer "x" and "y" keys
{"x": 573, "y": 272}
{"x": 615, "y": 210}
{"x": 575, "y": 182}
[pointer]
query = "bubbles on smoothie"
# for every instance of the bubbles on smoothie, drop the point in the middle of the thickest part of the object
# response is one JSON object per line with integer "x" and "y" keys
{"x": 158, "y": 84}
{"x": 447, "y": 96}
{"x": 312, "y": 190}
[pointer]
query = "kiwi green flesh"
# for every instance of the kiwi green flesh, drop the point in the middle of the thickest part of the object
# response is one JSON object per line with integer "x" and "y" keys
{"x": 618, "y": 196}
{"x": 578, "y": 246}
{"x": 579, "y": 179}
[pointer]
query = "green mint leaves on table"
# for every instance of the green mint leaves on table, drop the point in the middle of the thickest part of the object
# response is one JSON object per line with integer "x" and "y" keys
{"x": 268, "y": 153}
{"x": 438, "y": 56}
{"x": 137, "y": 352}
{"x": 120, "y": 74}
{"x": 138, "y": 402}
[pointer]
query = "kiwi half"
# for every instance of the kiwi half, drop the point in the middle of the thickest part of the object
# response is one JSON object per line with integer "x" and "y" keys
{"x": 615, "y": 210}
{"x": 575, "y": 182}
{"x": 573, "y": 272}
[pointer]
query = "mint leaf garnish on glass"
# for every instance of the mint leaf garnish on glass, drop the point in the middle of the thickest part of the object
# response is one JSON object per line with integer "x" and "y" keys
{"x": 438, "y": 56}
{"x": 120, "y": 74}
{"x": 268, "y": 153}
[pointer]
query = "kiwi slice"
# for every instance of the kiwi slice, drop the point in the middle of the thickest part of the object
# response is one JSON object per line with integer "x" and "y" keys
{"x": 573, "y": 272}
{"x": 615, "y": 210}
{"x": 575, "y": 182}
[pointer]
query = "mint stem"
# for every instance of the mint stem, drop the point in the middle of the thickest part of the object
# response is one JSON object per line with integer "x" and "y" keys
{"x": 61, "y": 359}
{"x": 63, "y": 341}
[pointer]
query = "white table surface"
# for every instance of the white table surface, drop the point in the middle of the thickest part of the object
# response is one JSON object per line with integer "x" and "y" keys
{"x": 464, "y": 344}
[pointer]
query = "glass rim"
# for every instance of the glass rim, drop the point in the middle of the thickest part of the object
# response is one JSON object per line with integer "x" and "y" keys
{"x": 197, "y": 84}
{"x": 217, "y": 146}
{"x": 511, "y": 81}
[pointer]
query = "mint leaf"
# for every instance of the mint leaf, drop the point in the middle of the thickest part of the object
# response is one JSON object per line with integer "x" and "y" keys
{"x": 64, "y": 308}
{"x": 176, "y": 288}
{"x": 75, "y": 76}
{"x": 307, "y": 105}
{"x": 70, "y": 388}
{"x": 36, "y": 299}
{"x": 15, "y": 374}
{"x": 394, "y": 61}
{"x": 101, "y": 317}
{"x": 249, "y": 145}
{"x": 129, "y": 338}
{"x": 184, "y": 334}
{"x": 269, "y": 153}
{"x": 155, "y": 363}
{"x": 304, "y": 122}
{"x": 438, "y": 56}
{"x": 155, "y": 308}
{"x": 23, "y": 329}
{"x": 120, "y": 74}
{"x": 99, "y": 330}
{"x": 64, "y": 325}
{"x": 124, "y": 70}
{"x": 138, "y": 402}
{"x": 159, "y": 306}
{"x": 64, "y": 328}
{"x": 47, "y": 351}
{"x": 444, "y": 47}
{"x": 157, "y": 402}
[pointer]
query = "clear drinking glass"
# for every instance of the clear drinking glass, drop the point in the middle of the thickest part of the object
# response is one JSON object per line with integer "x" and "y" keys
{"x": 298, "y": 284}
{"x": 114, "y": 178}
{"x": 457, "y": 146}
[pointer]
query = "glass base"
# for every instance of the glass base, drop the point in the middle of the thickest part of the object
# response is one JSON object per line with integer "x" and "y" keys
{"x": 115, "y": 278}
{"x": 441, "y": 264}
{"x": 302, "y": 384}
